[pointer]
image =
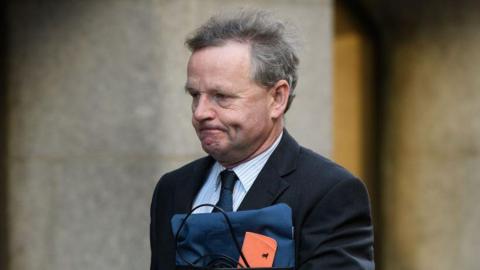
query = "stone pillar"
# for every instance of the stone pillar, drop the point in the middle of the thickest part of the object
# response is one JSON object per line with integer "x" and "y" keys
{"x": 431, "y": 172}
{"x": 97, "y": 113}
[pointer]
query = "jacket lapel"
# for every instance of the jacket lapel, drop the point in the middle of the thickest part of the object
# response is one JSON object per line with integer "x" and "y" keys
{"x": 187, "y": 187}
{"x": 270, "y": 183}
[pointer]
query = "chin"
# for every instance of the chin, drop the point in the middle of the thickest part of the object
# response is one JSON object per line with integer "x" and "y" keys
{"x": 217, "y": 154}
{"x": 212, "y": 150}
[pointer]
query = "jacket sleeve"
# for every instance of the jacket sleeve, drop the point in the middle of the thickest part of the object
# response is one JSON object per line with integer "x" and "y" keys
{"x": 153, "y": 231}
{"x": 337, "y": 233}
{"x": 161, "y": 237}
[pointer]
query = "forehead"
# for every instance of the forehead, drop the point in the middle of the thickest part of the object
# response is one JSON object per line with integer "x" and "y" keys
{"x": 229, "y": 62}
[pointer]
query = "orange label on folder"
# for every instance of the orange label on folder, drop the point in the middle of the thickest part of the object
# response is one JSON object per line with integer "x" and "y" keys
{"x": 259, "y": 250}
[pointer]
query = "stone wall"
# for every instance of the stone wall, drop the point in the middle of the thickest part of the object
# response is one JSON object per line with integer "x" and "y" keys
{"x": 97, "y": 113}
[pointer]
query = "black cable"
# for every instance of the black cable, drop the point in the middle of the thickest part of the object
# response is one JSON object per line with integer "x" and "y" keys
{"x": 237, "y": 245}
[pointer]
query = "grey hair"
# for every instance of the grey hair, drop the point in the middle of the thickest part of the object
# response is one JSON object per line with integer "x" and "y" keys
{"x": 273, "y": 46}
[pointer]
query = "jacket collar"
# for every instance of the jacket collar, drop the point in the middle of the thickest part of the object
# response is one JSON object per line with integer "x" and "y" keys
{"x": 189, "y": 186}
{"x": 270, "y": 183}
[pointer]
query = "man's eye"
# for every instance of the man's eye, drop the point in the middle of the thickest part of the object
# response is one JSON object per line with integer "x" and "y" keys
{"x": 195, "y": 98}
{"x": 220, "y": 96}
{"x": 222, "y": 100}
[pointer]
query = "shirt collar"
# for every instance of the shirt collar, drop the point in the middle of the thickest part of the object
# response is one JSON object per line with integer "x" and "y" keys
{"x": 242, "y": 169}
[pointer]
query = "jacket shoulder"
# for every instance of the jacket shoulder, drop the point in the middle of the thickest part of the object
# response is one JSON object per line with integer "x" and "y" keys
{"x": 309, "y": 160}
{"x": 185, "y": 171}
{"x": 317, "y": 175}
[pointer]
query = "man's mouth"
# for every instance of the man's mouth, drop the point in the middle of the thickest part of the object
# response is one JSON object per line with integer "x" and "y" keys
{"x": 209, "y": 135}
{"x": 210, "y": 129}
{"x": 206, "y": 132}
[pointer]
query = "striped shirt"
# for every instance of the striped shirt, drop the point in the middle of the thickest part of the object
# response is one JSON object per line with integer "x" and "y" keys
{"x": 247, "y": 173}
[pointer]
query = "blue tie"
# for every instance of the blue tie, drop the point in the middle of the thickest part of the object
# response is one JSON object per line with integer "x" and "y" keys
{"x": 228, "y": 179}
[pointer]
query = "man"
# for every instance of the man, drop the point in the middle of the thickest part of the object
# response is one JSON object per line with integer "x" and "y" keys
{"x": 241, "y": 76}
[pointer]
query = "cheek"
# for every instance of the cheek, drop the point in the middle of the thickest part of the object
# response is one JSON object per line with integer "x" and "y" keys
{"x": 258, "y": 115}
{"x": 248, "y": 117}
{"x": 196, "y": 125}
{"x": 251, "y": 123}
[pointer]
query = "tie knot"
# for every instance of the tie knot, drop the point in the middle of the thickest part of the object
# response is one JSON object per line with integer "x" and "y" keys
{"x": 228, "y": 178}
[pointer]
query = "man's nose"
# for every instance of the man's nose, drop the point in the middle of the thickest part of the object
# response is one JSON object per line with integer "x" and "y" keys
{"x": 203, "y": 109}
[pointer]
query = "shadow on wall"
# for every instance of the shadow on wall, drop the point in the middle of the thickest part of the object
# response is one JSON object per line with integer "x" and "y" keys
{"x": 3, "y": 141}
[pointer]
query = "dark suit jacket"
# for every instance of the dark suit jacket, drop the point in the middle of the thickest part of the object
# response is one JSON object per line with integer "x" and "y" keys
{"x": 331, "y": 211}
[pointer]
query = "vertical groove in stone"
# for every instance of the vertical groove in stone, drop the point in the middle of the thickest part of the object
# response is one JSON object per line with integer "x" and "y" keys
{"x": 4, "y": 241}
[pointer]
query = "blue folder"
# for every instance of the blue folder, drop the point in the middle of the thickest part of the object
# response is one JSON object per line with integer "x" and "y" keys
{"x": 207, "y": 235}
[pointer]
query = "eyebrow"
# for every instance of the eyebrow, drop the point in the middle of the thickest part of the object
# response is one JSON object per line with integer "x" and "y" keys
{"x": 188, "y": 89}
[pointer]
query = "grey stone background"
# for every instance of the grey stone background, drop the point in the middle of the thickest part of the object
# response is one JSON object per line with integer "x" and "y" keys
{"x": 97, "y": 113}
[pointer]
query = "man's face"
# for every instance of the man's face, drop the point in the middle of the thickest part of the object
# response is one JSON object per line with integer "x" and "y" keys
{"x": 231, "y": 113}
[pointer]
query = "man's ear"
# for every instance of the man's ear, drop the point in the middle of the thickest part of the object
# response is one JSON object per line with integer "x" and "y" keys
{"x": 279, "y": 93}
